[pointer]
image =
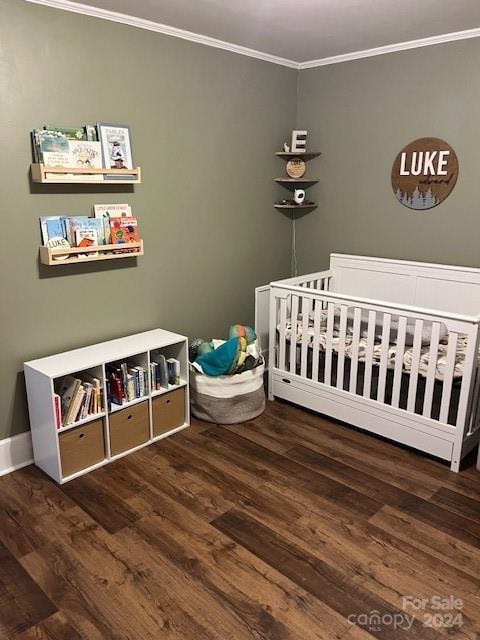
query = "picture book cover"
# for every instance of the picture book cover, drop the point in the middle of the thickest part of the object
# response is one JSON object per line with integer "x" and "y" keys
{"x": 52, "y": 227}
{"x": 86, "y": 238}
{"x": 117, "y": 151}
{"x": 107, "y": 211}
{"x": 51, "y": 142}
{"x": 123, "y": 230}
{"x": 85, "y": 154}
{"x": 71, "y": 133}
{"x": 77, "y": 223}
{"x": 112, "y": 210}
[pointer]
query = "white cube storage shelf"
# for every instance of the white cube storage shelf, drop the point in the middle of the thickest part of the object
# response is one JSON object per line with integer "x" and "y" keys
{"x": 70, "y": 451}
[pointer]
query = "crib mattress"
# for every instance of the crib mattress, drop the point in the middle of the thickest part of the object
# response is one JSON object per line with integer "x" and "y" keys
{"x": 392, "y": 350}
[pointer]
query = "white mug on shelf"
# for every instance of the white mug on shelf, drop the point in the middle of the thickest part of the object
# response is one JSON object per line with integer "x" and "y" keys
{"x": 299, "y": 196}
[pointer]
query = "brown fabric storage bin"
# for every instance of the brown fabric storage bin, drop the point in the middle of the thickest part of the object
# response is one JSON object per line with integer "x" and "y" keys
{"x": 168, "y": 411}
{"x": 129, "y": 427}
{"x": 227, "y": 399}
{"x": 81, "y": 447}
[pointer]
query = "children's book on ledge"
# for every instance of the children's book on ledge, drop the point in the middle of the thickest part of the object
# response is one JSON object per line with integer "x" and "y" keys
{"x": 91, "y": 146}
{"x": 111, "y": 224}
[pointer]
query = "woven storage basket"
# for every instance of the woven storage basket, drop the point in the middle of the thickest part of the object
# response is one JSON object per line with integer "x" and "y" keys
{"x": 227, "y": 399}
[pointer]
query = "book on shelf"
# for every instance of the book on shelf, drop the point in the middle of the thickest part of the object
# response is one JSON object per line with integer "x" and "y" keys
{"x": 164, "y": 373}
{"x": 123, "y": 231}
{"x": 126, "y": 382}
{"x": 53, "y": 227}
{"x": 75, "y": 147}
{"x": 117, "y": 149}
{"x": 107, "y": 211}
{"x": 86, "y": 238}
{"x": 78, "y": 398}
{"x": 57, "y": 405}
{"x": 92, "y": 226}
{"x": 173, "y": 370}
{"x": 112, "y": 210}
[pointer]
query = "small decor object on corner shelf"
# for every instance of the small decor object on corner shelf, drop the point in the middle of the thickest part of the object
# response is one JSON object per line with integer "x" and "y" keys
{"x": 286, "y": 148}
{"x": 116, "y": 148}
{"x": 296, "y": 168}
{"x": 299, "y": 196}
{"x": 299, "y": 141}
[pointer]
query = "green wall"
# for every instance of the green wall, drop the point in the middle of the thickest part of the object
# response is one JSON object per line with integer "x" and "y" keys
{"x": 360, "y": 115}
{"x": 204, "y": 124}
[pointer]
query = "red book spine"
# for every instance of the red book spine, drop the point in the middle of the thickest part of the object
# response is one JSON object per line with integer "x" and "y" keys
{"x": 58, "y": 410}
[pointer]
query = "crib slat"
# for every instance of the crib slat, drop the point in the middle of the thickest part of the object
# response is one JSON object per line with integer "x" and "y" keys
{"x": 367, "y": 378}
{"x": 341, "y": 345}
{"x": 413, "y": 381}
{"x": 328, "y": 343}
{"x": 431, "y": 370}
{"x": 448, "y": 376}
{"x": 385, "y": 344}
{"x": 317, "y": 317}
{"x": 281, "y": 334}
{"x": 306, "y": 306}
{"x": 468, "y": 379}
{"x": 357, "y": 316}
{"x": 400, "y": 350}
{"x": 293, "y": 337}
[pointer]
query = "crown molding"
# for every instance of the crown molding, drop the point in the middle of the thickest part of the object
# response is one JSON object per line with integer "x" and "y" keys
{"x": 392, "y": 48}
{"x": 149, "y": 25}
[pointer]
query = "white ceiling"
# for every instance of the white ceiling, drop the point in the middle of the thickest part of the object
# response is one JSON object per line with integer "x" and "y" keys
{"x": 304, "y": 30}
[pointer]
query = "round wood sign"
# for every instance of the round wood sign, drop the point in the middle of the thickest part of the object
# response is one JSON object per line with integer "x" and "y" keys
{"x": 296, "y": 168}
{"x": 424, "y": 173}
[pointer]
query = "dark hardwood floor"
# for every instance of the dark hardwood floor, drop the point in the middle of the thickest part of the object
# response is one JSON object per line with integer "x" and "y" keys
{"x": 288, "y": 527}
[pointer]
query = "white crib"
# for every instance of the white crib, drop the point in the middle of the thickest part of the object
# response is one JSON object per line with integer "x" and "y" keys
{"x": 389, "y": 346}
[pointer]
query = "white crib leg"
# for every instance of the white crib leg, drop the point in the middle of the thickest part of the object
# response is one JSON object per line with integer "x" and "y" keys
{"x": 478, "y": 459}
{"x": 456, "y": 456}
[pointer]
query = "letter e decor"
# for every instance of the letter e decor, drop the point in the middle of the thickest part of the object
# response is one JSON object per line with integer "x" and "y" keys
{"x": 424, "y": 173}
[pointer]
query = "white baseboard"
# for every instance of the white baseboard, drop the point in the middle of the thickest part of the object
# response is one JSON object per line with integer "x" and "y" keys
{"x": 15, "y": 452}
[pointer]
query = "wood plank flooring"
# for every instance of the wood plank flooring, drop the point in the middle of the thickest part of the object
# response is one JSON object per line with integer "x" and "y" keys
{"x": 290, "y": 527}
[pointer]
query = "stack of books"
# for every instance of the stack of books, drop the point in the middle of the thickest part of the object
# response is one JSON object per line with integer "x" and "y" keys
{"x": 126, "y": 382}
{"x": 78, "y": 398}
{"x": 164, "y": 372}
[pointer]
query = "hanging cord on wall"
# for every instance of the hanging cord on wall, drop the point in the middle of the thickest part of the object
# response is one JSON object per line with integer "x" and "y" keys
{"x": 293, "y": 260}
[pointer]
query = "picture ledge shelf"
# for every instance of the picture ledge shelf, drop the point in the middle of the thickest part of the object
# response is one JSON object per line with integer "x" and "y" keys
{"x": 47, "y": 254}
{"x": 39, "y": 171}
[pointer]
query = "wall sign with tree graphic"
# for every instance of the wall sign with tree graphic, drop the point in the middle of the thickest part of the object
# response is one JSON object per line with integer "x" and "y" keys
{"x": 424, "y": 173}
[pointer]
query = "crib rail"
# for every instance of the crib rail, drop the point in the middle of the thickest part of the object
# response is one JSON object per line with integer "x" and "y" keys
{"x": 387, "y": 353}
